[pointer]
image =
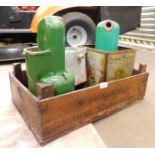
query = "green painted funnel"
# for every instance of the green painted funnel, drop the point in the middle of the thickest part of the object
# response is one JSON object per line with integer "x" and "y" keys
{"x": 107, "y": 35}
{"x": 46, "y": 63}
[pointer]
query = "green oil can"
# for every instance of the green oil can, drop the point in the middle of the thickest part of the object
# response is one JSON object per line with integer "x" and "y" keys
{"x": 46, "y": 63}
{"x": 107, "y": 35}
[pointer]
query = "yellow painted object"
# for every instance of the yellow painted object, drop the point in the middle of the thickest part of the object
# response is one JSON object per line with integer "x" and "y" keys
{"x": 49, "y": 10}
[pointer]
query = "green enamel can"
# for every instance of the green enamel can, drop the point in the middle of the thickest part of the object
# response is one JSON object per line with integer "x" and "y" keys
{"x": 107, "y": 35}
{"x": 46, "y": 62}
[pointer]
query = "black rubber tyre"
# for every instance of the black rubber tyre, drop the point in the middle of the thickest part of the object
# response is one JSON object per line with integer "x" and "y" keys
{"x": 80, "y": 29}
{"x": 12, "y": 52}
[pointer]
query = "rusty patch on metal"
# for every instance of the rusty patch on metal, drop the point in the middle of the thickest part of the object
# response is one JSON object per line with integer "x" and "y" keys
{"x": 120, "y": 65}
{"x": 95, "y": 67}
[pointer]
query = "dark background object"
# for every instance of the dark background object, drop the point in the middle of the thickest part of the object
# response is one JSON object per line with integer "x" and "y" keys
{"x": 12, "y": 52}
{"x": 127, "y": 16}
{"x": 15, "y": 24}
{"x": 13, "y": 18}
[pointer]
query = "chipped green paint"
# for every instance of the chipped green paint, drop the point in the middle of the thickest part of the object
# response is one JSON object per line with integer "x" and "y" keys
{"x": 46, "y": 63}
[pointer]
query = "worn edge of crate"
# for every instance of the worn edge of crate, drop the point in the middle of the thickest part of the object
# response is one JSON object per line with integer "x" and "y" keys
{"x": 97, "y": 85}
{"x": 36, "y": 130}
{"x": 101, "y": 115}
{"x": 44, "y": 141}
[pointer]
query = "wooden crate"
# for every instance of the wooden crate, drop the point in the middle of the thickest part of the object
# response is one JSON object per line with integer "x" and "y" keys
{"x": 55, "y": 116}
{"x": 108, "y": 66}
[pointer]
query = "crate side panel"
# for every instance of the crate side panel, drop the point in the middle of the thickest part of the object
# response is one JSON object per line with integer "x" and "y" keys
{"x": 72, "y": 110}
{"x": 27, "y": 105}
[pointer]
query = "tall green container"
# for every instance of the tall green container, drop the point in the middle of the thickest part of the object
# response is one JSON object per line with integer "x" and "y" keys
{"x": 46, "y": 63}
{"x": 107, "y": 35}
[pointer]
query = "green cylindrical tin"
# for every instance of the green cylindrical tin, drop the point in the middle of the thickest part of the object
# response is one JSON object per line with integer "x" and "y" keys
{"x": 107, "y": 35}
{"x": 46, "y": 63}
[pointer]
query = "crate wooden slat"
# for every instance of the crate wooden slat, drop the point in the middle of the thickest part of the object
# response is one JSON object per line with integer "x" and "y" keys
{"x": 55, "y": 116}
